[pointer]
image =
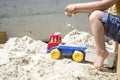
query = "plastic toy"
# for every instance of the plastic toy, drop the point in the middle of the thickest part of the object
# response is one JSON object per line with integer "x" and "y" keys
{"x": 55, "y": 39}
{"x": 56, "y": 48}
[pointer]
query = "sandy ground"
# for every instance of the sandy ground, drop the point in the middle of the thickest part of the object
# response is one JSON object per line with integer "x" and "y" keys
{"x": 26, "y": 59}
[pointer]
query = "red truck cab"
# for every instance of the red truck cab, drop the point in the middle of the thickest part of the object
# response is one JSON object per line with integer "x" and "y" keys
{"x": 55, "y": 40}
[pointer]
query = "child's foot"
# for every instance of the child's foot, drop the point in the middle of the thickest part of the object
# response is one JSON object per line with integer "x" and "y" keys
{"x": 99, "y": 59}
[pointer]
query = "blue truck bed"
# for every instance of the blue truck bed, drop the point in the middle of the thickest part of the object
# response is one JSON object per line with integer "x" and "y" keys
{"x": 65, "y": 49}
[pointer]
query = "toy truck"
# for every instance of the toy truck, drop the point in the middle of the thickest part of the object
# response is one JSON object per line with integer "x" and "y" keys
{"x": 56, "y": 48}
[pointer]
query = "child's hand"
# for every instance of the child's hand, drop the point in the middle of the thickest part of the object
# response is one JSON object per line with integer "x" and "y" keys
{"x": 70, "y": 10}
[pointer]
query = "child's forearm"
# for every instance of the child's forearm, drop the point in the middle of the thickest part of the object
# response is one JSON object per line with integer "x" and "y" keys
{"x": 91, "y": 6}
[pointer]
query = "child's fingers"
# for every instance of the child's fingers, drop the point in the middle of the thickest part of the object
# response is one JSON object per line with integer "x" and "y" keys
{"x": 68, "y": 14}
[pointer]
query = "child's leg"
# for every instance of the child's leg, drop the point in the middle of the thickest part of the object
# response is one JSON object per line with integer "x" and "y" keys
{"x": 98, "y": 33}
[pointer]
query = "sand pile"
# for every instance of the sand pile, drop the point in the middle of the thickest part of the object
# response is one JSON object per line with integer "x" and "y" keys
{"x": 78, "y": 38}
{"x": 25, "y": 59}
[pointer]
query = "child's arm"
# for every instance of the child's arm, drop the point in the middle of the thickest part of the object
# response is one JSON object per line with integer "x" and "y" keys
{"x": 89, "y": 7}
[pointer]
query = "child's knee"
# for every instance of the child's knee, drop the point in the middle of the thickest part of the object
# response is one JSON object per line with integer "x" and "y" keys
{"x": 95, "y": 15}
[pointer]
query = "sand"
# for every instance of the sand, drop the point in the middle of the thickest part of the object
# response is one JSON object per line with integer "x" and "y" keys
{"x": 26, "y": 59}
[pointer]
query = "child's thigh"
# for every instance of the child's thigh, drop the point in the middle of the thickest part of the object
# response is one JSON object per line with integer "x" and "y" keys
{"x": 112, "y": 26}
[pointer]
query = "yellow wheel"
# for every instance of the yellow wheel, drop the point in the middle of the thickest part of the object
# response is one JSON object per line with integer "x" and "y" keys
{"x": 77, "y": 56}
{"x": 55, "y": 54}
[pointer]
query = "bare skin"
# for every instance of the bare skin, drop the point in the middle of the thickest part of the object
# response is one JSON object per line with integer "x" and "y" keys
{"x": 98, "y": 33}
{"x": 95, "y": 10}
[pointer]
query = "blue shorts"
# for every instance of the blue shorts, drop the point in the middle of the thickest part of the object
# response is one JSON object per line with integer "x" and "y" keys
{"x": 112, "y": 26}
